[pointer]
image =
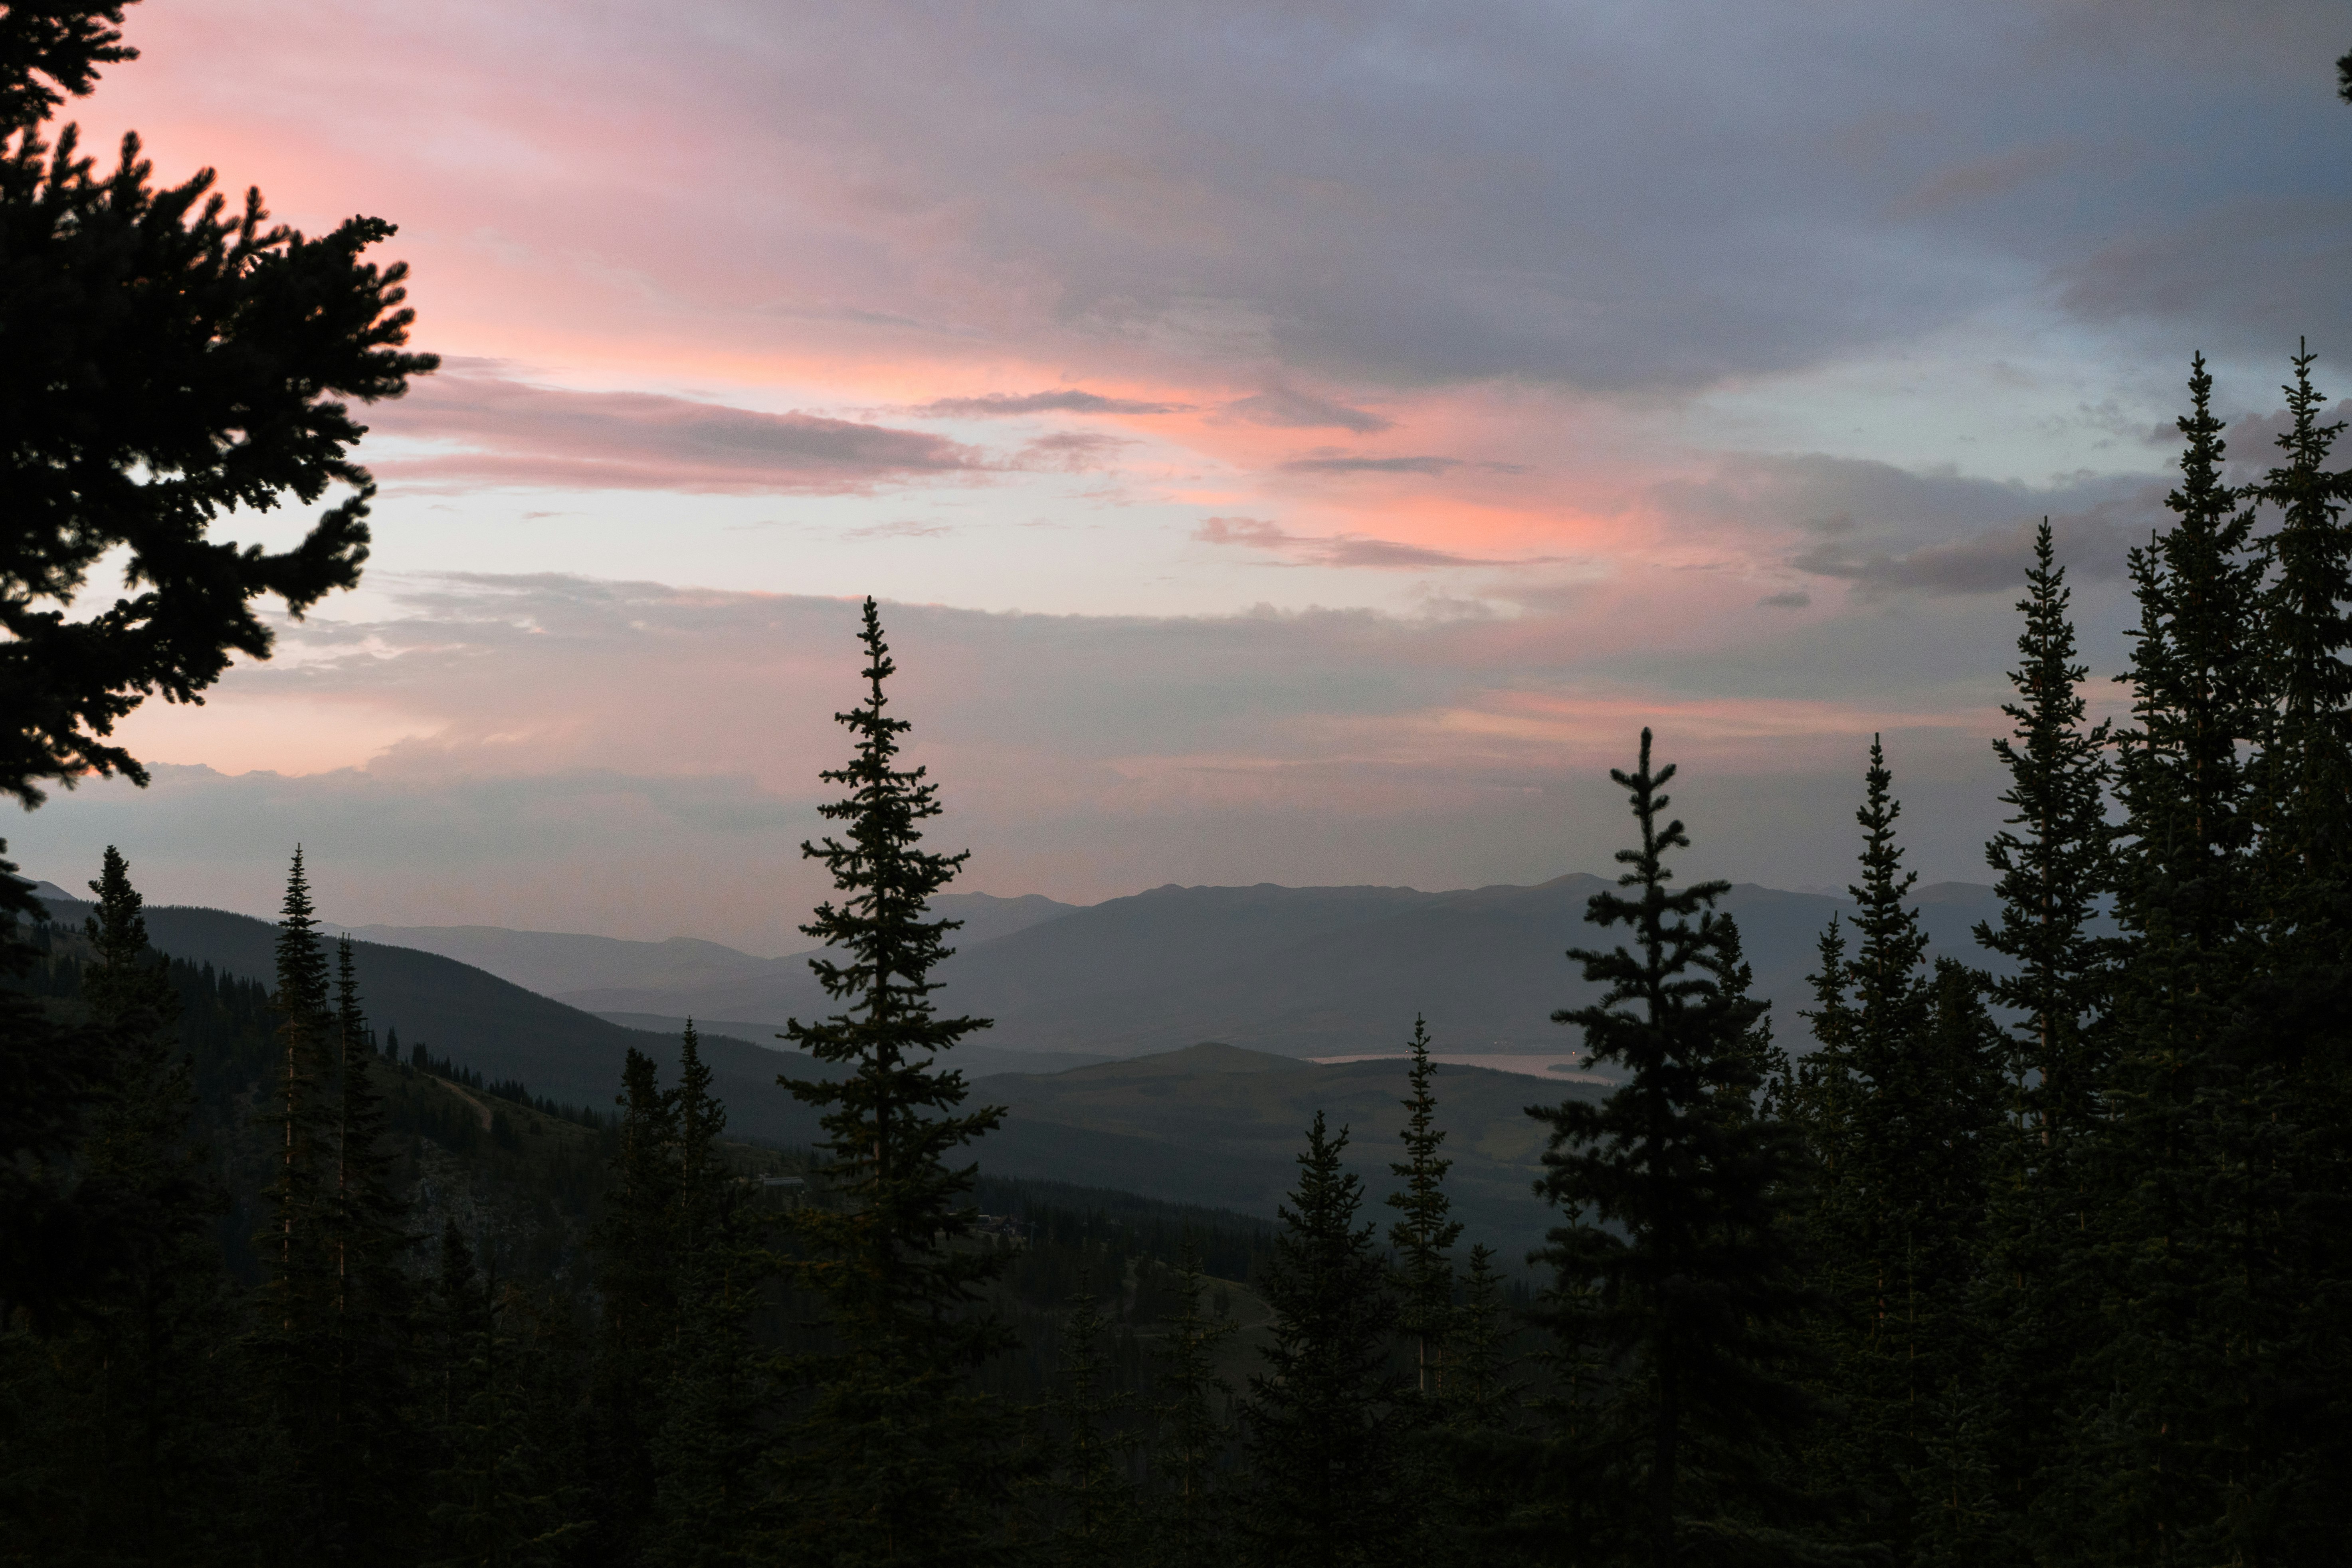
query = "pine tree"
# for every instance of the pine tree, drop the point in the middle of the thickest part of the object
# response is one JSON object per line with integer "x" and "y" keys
{"x": 1484, "y": 1392}
{"x": 1423, "y": 1235}
{"x": 1491, "y": 1510}
{"x": 362, "y": 1226}
{"x": 708, "y": 1447}
{"x": 1318, "y": 1427}
{"x": 2036, "y": 1292}
{"x": 294, "y": 1340}
{"x": 1088, "y": 1486}
{"x": 2303, "y": 782}
{"x": 171, "y": 357}
{"x": 159, "y": 1468}
{"x": 636, "y": 1283}
{"x": 2152, "y": 1476}
{"x": 2054, "y": 862}
{"x": 1194, "y": 1434}
{"x": 895, "y": 1457}
{"x": 53, "y": 1075}
{"x": 2291, "y": 1042}
{"x": 1899, "y": 1105}
{"x": 501, "y": 1497}
{"x": 1670, "y": 1243}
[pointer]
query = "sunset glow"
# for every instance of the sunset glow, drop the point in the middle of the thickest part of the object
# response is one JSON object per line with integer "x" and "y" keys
{"x": 1244, "y": 414}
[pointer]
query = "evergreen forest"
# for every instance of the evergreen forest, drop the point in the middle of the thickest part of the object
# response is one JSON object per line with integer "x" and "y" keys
{"x": 2045, "y": 1260}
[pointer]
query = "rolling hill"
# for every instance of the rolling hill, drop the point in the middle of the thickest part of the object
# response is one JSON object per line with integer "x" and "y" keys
{"x": 491, "y": 1024}
{"x": 1222, "y": 1126}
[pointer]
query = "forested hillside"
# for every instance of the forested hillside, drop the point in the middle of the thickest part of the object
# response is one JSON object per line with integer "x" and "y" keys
{"x": 464, "y": 1014}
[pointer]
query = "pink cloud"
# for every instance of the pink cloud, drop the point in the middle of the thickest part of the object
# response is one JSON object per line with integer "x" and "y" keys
{"x": 1346, "y": 549}
{"x": 507, "y": 432}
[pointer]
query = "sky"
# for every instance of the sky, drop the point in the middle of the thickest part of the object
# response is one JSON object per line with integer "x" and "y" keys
{"x": 1290, "y": 442}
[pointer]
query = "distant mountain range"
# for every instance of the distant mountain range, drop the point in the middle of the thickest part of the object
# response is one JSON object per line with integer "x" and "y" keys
{"x": 1298, "y": 971}
{"x": 1302, "y": 972}
{"x": 1100, "y": 1015}
{"x": 602, "y": 972}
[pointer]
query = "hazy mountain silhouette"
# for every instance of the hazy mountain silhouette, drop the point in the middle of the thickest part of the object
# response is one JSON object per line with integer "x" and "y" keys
{"x": 572, "y": 967}
{"x": 1307, "y": 971}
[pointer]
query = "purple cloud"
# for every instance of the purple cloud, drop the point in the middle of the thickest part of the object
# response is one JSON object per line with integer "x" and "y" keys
{"x": 998, "y": 404}
{"x": 510, "y": 432}
{"x": 1293, "y": 410}
{"x": 1344, "y": 549}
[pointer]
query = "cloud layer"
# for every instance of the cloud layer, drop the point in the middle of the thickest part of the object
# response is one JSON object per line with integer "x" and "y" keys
{"x": 637, "y": 758}
{"x": 484, "y": 428}
{"x": 1383, "y": 413}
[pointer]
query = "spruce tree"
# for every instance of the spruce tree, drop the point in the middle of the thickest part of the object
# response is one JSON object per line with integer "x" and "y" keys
{"x": 2157, "y": 1465}
{"x": 2037, "y": 1293}
{"x": 2303, "y": 782}
{"x": 1192, "y": 1529}
{"x": 1088, "y": 1487}
{"x": 159, "y": 1474}
{"x": 172, "y": 356}
{"x": 1423, "y": 1235}
{"x": 1493, "y": 1507}
{"x": 1898, "y": 1106}
{"x": 362, "y": 1226}
{"x": 708, "y": 1447}
{"x": 637, "y": 1284}
{"x": 2291, "y": 1043}
{"x": 895, "y": 1457}
{"x": 1483, "y": 1391}
{"x": 1670, "y": 1242}
{"x": 2054, "y": 862}
{"x": 500, "y": 1498}
{"x": 293, "y": 1337}
{"x": 1320, "y": 1424}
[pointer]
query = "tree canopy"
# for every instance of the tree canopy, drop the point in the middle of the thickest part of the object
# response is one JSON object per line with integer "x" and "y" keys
{"x": 167, "y": 354}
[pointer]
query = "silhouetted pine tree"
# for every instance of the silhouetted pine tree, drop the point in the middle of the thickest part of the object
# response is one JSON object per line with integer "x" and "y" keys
{"x": 1423, "y": 1235}
{"x": 1671, "y": 1250}
{"x": 895, "y": 1457}
{"x": 1320, "y": 1424}
{"x": 161, "y": 1474}
{"x": 293, "y": 1340}
{"x": 2302, "y": 781}
{"x": 53, "y": 1074}
{"x": 502, "y": 1496}
{"x": 2036, "y": 1293}
{"x": 1485, "y": 1394}
{"x": 637, "y": 1284}
{"x": 362, "y": 1226}
{"x": 1191, "y": 1523}
{"x": 2292, "y": 1040}
{"x": 2159, "y": 1459}
{"x": 709, "y": 1444}
{"x": 1485, "y": 1513}
{"x": 1898, "y": 1104}
{"x": 2242, "y": 1368}
{"x": 1089, "y": 1492}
